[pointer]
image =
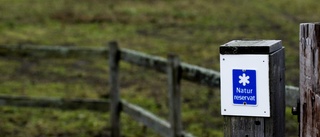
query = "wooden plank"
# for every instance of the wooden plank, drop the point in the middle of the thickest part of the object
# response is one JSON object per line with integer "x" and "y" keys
{"x": 114, "y": 59}
{"x": 150, "y": 120}
{"x": 52, "y": 51}
{"x": 60, "y": 103}
{"x": 309, "y": 79}
{"x": 173, "y": 72}
{"x": 144, "y": 60}
{"x": 250, "y": 47}
{"x": 200, "y": 75}
{"x": 191, "y": 73}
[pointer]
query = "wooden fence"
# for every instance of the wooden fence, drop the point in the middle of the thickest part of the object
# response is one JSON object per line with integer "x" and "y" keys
{"x": 175, "y": 70}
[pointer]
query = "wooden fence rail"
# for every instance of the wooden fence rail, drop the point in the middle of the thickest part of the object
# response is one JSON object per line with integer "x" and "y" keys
{"x": 292, "y": 94}
{"x": 51, "y": 51}
{"x": 65, "y": 104}
{"x": 150, "y": 120}
{"x": 181, "y": 70}
{"x": 190, "y": 72}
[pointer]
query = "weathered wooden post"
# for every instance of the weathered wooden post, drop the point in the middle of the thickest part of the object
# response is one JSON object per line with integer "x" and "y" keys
{"x": 174, "y": 76}
{"x": 114, "y": 57}
{"x": 309, "y": 80}
{"x": 252, "y": 88}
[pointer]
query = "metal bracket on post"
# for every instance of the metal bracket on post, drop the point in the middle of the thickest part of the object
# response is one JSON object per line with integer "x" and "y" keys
{"x": 296, "y": 111}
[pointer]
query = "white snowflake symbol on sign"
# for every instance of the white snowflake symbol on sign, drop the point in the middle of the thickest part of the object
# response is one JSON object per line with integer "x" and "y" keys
{"x": 244, "y": 80}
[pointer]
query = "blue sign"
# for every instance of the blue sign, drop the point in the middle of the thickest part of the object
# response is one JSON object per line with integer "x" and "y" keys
{"x": 244, "y": 87}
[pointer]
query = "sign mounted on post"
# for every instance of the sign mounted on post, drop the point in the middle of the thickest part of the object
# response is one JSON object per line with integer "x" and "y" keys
{"x": 244, "y": 87}
{"x": 253, "y": 88}
{"x": 244, "y": 69}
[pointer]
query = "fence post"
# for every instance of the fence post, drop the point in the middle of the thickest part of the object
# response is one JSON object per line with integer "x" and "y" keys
{"x": 309, "y": 79}
{"x": 262, "y": 65}
{"x": 114, "y": 56}
{"x": 174, "y": 75}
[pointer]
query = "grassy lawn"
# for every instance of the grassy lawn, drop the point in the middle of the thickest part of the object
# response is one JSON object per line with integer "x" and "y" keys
{"x": 194, "y": 30}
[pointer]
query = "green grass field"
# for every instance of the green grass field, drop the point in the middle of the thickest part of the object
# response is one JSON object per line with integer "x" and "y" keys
{"x": 193, "y": 30}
